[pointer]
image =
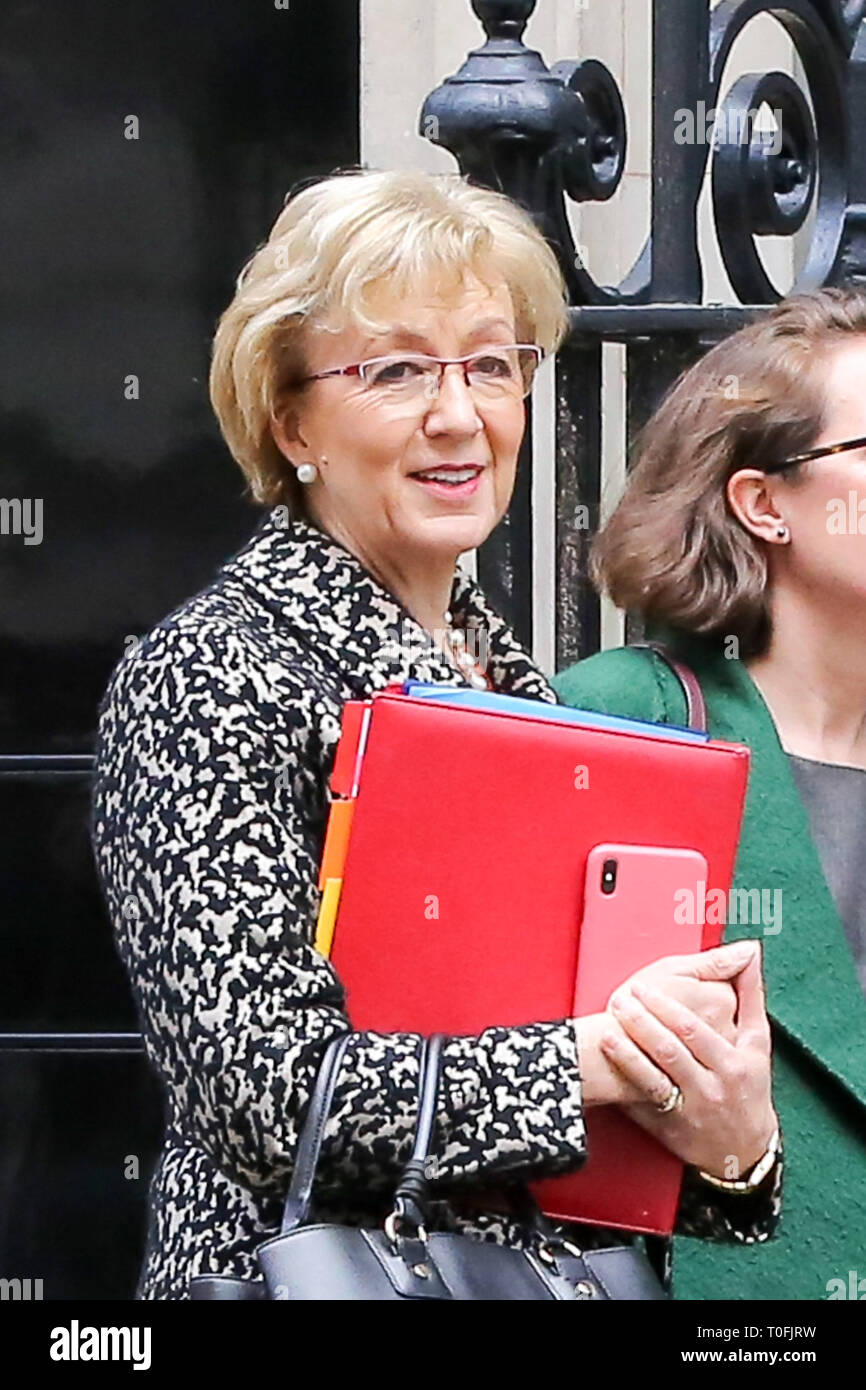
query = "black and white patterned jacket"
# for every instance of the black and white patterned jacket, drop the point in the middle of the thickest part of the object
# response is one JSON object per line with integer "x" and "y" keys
{"x": 216, "y": 740}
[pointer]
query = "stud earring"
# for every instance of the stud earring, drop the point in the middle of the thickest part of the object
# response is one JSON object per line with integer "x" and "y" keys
{"x": 782, "y": 533}
{"x": 307, "y": 473}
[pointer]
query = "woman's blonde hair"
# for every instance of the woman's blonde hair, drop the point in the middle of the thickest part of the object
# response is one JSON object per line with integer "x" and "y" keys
{"x": 333, "y": 245}
{"x": 673, "y": 551}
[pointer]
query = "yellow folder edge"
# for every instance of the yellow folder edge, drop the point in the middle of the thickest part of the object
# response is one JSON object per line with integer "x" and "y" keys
{"x": 328, "y": 915}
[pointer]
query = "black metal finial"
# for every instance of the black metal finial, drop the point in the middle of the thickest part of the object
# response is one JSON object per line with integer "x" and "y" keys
{"x": 533, "y": 134}
{"x": 503, "y": 95}
{"x": 504, "y": 19}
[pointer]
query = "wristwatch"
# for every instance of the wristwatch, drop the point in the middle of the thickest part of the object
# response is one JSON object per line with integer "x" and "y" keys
{"x": 756, "y": 1174}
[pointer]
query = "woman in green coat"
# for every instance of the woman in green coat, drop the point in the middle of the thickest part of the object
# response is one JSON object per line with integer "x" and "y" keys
{"x": 749, "y": 560}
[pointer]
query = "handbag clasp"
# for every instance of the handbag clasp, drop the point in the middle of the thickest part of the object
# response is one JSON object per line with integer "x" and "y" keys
{"x": 394, "y": 1220}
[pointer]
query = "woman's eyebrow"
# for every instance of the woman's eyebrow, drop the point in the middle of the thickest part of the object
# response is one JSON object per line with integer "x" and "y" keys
{"x": 402, "y": 334}
{"x": 483, "y": 328}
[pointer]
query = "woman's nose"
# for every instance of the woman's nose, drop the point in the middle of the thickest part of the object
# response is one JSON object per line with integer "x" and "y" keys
{"x": 452, "y": 408}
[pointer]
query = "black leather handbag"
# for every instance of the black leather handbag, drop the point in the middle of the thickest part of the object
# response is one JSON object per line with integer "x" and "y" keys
{"x": 311, "y": 1261}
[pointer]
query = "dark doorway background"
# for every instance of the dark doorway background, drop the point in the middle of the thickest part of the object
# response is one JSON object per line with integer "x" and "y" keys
{"x": 116, "y": 257}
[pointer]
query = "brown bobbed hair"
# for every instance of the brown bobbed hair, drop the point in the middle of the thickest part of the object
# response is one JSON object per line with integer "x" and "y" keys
{"x": 673, "y": 551}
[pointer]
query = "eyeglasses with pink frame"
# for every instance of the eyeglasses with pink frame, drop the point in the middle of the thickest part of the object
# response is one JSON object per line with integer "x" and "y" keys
{"x": 431, "y": 369}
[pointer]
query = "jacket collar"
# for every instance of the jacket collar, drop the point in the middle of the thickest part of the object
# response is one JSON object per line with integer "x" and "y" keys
{"x": 312, "y": 582}
{"x": 813, "y": 991}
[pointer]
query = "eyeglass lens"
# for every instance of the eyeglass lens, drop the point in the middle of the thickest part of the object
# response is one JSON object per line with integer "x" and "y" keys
{"x": 494, "y": 372}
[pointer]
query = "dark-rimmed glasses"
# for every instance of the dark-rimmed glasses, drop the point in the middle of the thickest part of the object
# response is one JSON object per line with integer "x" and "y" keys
{"x": 492, "y": 374}
{"x": 817, "y": 453}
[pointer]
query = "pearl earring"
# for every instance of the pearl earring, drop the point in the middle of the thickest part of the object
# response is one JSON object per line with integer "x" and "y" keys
{"x": 782, "y": 533}
{"x": 307, "y": 473}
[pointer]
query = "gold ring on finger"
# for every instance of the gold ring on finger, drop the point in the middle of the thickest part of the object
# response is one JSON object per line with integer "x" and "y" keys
{"x": 673, "y": 1102}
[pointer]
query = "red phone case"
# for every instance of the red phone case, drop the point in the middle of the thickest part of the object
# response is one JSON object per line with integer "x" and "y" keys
{"x": 632, "y": 926}
{"x": 621, "y": 932}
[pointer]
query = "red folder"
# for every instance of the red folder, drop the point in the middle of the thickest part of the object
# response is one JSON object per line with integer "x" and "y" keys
{"x": 454, "y": 881}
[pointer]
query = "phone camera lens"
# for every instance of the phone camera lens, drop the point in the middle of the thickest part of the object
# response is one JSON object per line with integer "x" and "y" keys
{"x": 608, "y": 876}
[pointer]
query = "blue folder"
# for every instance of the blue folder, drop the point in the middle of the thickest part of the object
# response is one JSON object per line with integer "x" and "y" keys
{"x": 537, "y": 709}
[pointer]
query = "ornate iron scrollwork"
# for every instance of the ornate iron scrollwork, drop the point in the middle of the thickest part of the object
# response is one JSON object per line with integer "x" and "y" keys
{"x": 756, "y": 191}
{"x": 593, "y": 164}
{"x": 763, "y": 180}
{"x": 550, "y": 135}
{"x": 843, "y": 18}
{"x": 532, "y": 132}
{"x": 547, "y": 134}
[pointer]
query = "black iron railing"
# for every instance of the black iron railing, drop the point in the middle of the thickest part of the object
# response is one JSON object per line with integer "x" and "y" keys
{"x": 545, "y": 135}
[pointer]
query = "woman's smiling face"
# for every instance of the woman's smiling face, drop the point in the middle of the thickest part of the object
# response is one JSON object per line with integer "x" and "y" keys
{"x": 375, "y": 452}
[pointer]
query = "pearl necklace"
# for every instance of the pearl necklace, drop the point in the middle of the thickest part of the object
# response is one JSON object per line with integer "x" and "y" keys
{"x": 463, "y": 659}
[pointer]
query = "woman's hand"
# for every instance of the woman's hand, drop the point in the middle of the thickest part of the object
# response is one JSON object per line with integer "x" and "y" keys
{"x": 726, "y": 1119}
{"x": 698, "y": 981}
{"x": 714, "y": 1000}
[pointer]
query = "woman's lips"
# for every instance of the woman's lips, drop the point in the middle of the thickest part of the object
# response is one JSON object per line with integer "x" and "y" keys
{"x": 459, "y": 490}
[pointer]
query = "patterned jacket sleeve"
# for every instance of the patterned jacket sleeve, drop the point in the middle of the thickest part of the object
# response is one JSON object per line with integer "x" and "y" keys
{"x": 746, "y": 1218}
{"x": 207, "y": 821}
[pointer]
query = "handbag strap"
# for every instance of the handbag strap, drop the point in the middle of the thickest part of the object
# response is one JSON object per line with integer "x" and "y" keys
{"x": 410, "y": 1197}
{"x": 411, "y": 1194}
{"x": 696, "y": 705}
{"x": 300, "y": 1191}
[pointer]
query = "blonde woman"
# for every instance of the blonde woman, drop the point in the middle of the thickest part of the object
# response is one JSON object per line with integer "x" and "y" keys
{"x": 741, "y": 538}
{"x": 370, "y": 378}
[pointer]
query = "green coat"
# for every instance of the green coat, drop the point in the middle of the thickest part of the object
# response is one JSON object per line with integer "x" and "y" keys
{"x": 813, "y": 995}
